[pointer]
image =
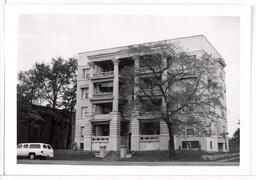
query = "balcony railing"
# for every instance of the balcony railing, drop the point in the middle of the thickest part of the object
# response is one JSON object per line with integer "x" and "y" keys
{"x": 103, "y": 95}
{"x": 149, "y": 138}
{"x": 103, "y": 74}
{"x": 101, "y": 117}
{"x": 100, "y": 138}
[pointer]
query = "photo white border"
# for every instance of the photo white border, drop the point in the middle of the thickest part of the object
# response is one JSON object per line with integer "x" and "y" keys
{"x": 1, "y": 88}
{"x": 11, "y": 36}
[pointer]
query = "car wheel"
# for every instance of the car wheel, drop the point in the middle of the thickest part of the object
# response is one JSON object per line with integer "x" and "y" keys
{"x": 32, "y": 156}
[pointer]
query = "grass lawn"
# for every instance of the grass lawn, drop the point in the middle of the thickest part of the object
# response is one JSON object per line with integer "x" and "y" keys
{"x": 181, "y": 155}
{"x": 138, "y": 156}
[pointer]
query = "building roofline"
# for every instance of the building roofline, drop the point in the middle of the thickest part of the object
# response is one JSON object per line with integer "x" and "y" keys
{"x": 145, "y": 43}
{"x": 152, "y": 42}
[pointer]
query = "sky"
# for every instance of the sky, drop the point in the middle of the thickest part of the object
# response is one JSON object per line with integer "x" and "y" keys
{"x": 42, "y": 37}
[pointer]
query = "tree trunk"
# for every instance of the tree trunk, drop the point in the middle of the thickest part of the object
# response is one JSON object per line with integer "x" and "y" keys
{"x": 171, "y": 143}
{"x": 68, "y": 145}
{"x": 52, "y": 131}
{"x": 41, "y": 132}
{"x": 52, "y": 124}
{"x": 29, "y": 131}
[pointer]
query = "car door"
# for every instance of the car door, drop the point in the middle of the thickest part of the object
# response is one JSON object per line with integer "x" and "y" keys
{"x": 19, "y": 149}
{"x": 45, "y": 150}
{"x": 24, "y": 150}
{"x": 50, "y": 150}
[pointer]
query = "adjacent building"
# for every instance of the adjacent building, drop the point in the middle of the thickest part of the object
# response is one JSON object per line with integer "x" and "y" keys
{"x": 102, "y": 118}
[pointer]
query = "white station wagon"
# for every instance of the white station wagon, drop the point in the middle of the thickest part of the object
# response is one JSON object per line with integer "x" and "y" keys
{"x": 34, "y": 150}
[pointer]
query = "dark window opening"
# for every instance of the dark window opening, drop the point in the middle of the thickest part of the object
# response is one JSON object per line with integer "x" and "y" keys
{"x": 104, "y": 87}
{"x": 101, "y": 129}
{"x": 150, "y": 106}
{"x": 87, "y": 76}
{"x": 149, "y": 128}
{"x": 104, "y": 66}
{"x": 84, "y": 92}
{"x": 81, "y": 146}
{"x": 190, "y": 131}
{"x": 190, "y": 144}
{"x": 105, "y": 108}
{"x": 83, "y": 73}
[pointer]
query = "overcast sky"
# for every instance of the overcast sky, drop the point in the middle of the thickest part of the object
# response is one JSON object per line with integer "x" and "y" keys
{"x": 42, "y": 37}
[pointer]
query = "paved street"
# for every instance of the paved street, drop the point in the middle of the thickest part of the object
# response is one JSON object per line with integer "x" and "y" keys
{"x": 125, "y": 163}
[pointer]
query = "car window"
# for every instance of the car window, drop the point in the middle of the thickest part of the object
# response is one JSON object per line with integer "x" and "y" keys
{"x": 19, "y": 146}
{"x": 35, "y": 146}
{"x": 25, "y": 146}
{"x": 44, "y": 146}
{"x": 49, "y": 147}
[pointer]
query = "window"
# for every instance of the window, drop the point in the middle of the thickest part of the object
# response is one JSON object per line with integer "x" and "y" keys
{"x": 35, "y": 146}
{"x": 83, "y": 112}
{"x": 190, "y": 131}
{"x": 84, "y": 93}
{"x": 44, "y": 146}
{"x": 81, "y": 146}
{"x": 25, "y": 146}
{"x": 211, "y": 144}
{"x": 19, "y": 146}
{"x": 190, "y": 144}
{"x": 101, "y": 129}
{"x": 49, "y": 147}
{"x": 83, "y": 73}
{"x": 149, "y": 106}
{"x": 149, "y": 128}
{"x": 87, "y": 76}
{"x": 82, "y": 132}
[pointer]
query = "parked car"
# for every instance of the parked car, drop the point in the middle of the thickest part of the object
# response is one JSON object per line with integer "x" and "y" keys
{"x": 34, "y": 150}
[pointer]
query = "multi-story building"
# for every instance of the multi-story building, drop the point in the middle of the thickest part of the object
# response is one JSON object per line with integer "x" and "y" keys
{"x": 102, "y": 118}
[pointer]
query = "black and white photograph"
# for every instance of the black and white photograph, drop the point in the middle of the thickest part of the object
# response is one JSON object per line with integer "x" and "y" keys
{"x": 128, "y": 90}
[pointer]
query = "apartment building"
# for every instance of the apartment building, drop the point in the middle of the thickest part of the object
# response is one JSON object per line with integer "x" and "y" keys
{"x": 103, "y": 119}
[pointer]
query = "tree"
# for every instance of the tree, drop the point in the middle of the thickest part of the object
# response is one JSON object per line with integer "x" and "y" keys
{"x": 51, "y": 85}
{"x": 236, "y": 135}
{"x": 26, "y": 114}
{"x": 172, "y": 84}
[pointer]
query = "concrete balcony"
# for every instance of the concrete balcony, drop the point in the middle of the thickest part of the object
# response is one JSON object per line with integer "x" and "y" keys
{"x": 103, "y": 75}
{"x": 149, "y": 115}
{"x": 101, "y": 117}
{"x": 102, "y": 96}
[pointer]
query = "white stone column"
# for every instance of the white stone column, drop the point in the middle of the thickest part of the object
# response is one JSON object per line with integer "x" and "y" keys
{"x": 115, "y": 85}
{"x": 164, "y": 136}
{"x": 114, "y": 136}
{"x": 91, "y": 88}
{"x": 114, "y": 131}
{"x": 135, "y": 125}
{"x": 89, "y": 116}
{"x": 88, "y": 133}
{"x": 135, "y": 130}
{"x": 136, "y": 79}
